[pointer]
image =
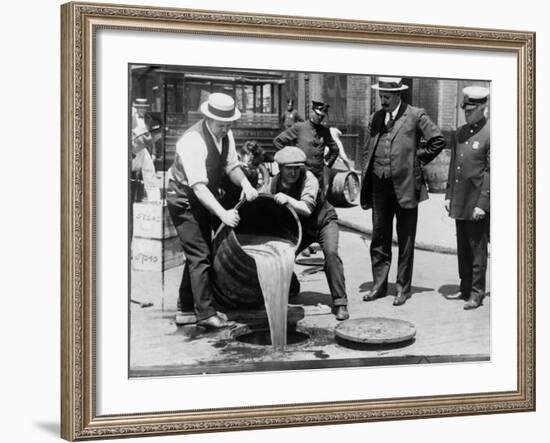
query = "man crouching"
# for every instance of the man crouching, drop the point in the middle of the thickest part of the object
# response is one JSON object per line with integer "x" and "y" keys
{"x": 298, "y": 188}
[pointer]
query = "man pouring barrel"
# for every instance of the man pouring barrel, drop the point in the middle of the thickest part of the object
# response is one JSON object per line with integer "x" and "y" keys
{"x": 297, "y": 187}
{"x": 204, "y": 153}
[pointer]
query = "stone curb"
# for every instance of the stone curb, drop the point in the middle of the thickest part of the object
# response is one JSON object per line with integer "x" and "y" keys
{"x": 418, "y": 245}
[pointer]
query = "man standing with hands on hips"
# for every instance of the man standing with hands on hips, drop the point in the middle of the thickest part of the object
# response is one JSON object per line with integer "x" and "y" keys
{"x": 468, "y": 195}
{"x": 311, "y": 137}
{"x": 393, "y": 183}
{"x": 203, "y": 154}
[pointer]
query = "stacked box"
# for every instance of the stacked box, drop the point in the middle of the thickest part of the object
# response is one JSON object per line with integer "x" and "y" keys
{"x": 156, "y": 255}
{"x": 155, "y": 246}
{"x": 152, "y": 220}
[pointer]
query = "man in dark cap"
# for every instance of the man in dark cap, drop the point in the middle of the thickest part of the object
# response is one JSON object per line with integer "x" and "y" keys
{"x": 312, "y": 137}
{"x": 468, "y": 191}
{"x": 298, "y": 188}
{"x": 393, "y": 184}
{"x": 203, "y": 154}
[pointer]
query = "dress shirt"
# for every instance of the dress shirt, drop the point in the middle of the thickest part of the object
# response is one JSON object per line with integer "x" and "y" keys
{"x": 192, "y": 152}
{"x": 393, "y": 114}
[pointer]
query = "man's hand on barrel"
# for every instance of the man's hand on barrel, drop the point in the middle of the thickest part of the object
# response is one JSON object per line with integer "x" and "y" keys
{"x": 230, "y": 218}
{"x": 249, "y": 193}
{"x": 281, "y": 198}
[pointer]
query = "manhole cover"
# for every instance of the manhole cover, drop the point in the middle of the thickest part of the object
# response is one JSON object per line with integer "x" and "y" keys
{"x": 262, "y": 337}
{"x": 375, "y": 330}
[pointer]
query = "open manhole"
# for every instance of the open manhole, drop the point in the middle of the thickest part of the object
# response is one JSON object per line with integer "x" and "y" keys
{"x": 261, "y": 337}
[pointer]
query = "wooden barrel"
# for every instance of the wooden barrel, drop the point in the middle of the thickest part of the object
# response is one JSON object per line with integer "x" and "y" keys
{"x": 343, "y": 188}
{"x": 235, "y": 280}
{"x": 436, "y": 172}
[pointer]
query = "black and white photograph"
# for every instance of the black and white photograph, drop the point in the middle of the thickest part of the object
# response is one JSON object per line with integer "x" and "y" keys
{"x": 285, "y": 220}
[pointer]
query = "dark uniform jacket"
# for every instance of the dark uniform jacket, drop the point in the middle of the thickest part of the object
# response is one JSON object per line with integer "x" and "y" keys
{"x": 311, "y": 139}
{"x": 406, "y": 157}
{"x": 468, "y": 184}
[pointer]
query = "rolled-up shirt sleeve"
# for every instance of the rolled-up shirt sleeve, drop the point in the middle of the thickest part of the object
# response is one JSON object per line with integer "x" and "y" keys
{"x": 310, "y": 190}
{"x": 232, "y": 158}
{"x": 192, "y": 153}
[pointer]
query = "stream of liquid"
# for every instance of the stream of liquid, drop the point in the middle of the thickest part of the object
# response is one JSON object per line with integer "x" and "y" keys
{"x": 274, "y": 259}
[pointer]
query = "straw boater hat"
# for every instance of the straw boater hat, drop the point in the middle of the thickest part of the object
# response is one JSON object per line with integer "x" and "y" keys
{"x": 473, "y": 96}
{"x": 390, "y": 84}
{"x": 139, "y": 131}
{"x": 290, "y": 156}
{"x": 141, "y": 103}
{"x": 220, "y": 107}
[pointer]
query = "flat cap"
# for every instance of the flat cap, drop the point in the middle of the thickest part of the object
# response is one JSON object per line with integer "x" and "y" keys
{"x": 290, "y": 156}
{"x": 474, "y": 95}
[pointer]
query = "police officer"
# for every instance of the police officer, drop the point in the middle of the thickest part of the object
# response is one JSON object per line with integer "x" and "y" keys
{"x": 468, "y": 195}
{"x": 312, "y": 137}
{"x": 291, "y": 115}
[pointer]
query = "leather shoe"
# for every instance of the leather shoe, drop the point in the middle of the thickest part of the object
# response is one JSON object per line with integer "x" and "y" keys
{"x": 401, "y": 298}
{"x": 457, "y": 296}
{"x": 215, "y": 322}
{"x": 475, "y": 301}
{"x": 372, "y": 295}
{"x": 342, "y": 313}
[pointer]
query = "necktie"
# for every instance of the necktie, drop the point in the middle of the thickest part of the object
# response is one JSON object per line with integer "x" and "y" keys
{"x": 389, "y": 124}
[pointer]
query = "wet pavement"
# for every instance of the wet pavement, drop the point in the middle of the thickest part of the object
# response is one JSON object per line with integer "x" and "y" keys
{"x": 444, "y": 331}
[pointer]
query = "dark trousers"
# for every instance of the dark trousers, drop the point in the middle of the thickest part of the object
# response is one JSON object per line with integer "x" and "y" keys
{"x": 194, "y": 230}
{"x": 327, "y": 236}
{"x": 472, "y": 238}
{"x": 384, "y": 208}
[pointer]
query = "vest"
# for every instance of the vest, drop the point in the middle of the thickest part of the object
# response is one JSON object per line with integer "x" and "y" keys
{"x": 382, "y": 160}
{"x": 215, "y": 164}
{"x": 322, "y": 213}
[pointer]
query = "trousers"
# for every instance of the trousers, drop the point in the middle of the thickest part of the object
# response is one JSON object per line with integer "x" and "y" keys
{"x": 384, "y": 208}
{"x": 472, "y": 239}
{"x": 326, "y": 232}
{"x": 193, "y": 225}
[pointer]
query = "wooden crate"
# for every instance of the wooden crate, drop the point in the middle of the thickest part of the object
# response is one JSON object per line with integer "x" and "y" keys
{"x": 156, "y": 255}
{"x": 152, "y": 220}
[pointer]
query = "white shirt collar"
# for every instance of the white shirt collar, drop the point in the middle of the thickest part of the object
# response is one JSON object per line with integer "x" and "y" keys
{"x": 394, "y": 112}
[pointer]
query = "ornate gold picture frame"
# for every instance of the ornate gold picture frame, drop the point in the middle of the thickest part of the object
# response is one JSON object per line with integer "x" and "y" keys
{"x": 79, "y": 376}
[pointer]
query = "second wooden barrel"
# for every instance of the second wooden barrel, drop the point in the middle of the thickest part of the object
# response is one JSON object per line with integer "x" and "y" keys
{"x": 437, "y": 171}
{"x": 343, "y": 188}
{"x": 235, "y": 279}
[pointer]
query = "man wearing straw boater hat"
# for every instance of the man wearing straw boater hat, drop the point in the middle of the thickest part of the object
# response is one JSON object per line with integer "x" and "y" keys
{"x": 393, "y": 184}
{"x": 297, "y": 187}
{"x": 468, "y": 191}
{"x": 204, "y": 153}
